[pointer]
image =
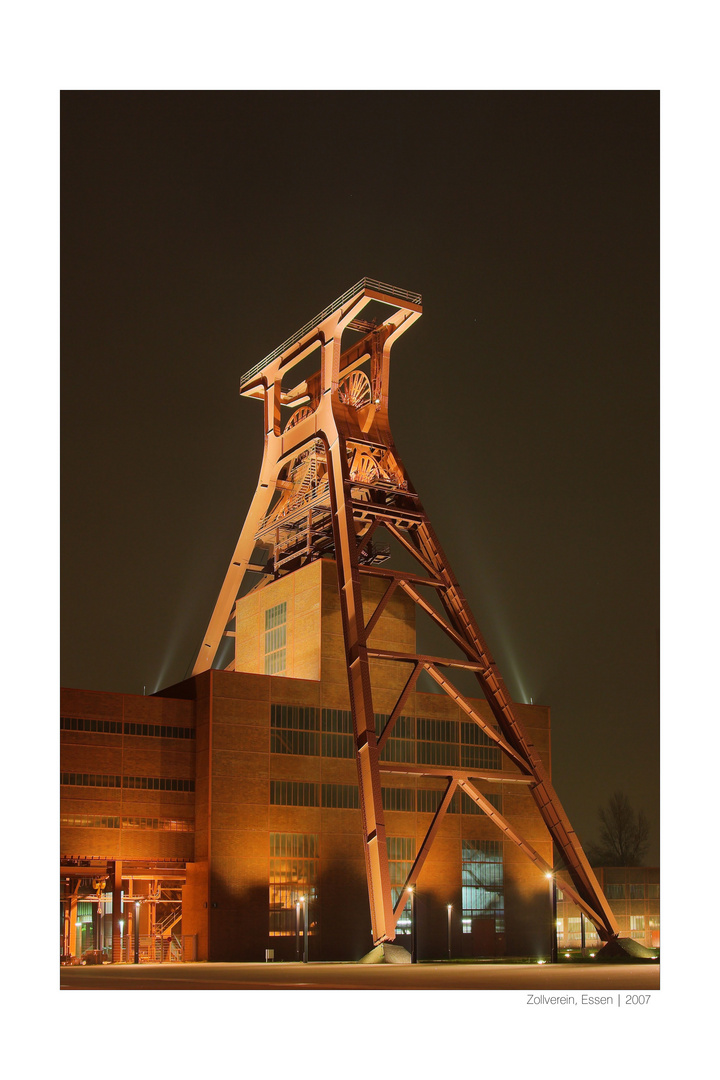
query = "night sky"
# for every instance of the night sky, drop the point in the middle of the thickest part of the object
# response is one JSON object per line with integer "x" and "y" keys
{"x": 199, "y": 229}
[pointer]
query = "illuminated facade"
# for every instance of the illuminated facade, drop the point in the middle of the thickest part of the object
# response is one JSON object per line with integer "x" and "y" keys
{"x": 325, "y": 776}
{"x": 633, "y": 893}
{"x": 242, "y": 788}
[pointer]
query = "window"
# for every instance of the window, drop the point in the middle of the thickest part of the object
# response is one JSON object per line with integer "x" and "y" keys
{"x": 89, "y": 780}
{"x": 637, "y": 924}
{"x": 294, "y": 872}
{"x": 398, "y": 799}
{"x": 117, "y": 727}
{"x": 574, "y": 931}
{"x": 337, "y": 733}
{"x": 166, "y": 824}
{"x": 74, "y": 723}
{"x": 158, "y": 783}
{"x": 429, "y": 800}
{"x": 401, "y": 856}
{"x": 401, "y": 743}
{"x": 483, "y": 889}
{"x": 653, "y": 890}
{"x": 159, "y": 731}
{"x": 615, "y": 891}
{"x": 477, "y": 750}
{"x": 341, "y": 796}
{"x": 437, "y": 741}
{"x": 89, "y": 821}
{"x": 275, "y": 639}
{"x": 294, "y": 729}
{"x": 637, "y": 891}
{"x": 293, "y": 793}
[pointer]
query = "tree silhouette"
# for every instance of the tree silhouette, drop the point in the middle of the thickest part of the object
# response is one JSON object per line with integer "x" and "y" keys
{"x": 624, "y": 835}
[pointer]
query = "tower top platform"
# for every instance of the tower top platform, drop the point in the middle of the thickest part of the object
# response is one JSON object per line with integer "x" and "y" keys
{"x": 369, "y": 287}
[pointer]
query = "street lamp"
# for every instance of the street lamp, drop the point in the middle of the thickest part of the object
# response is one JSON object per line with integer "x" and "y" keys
{"x": 413, "y": 935}
{"x": 553, "y": 910}
{"x": 305, "y": 928}
{"x": 137, "y": 931}
{"x": 297, "y": 931}
{"x": 449, "y": 911}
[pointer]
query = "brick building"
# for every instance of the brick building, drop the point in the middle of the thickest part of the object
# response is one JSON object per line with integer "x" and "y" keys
{"x": 226, "y": 798}
{"x": 634, "y": 896}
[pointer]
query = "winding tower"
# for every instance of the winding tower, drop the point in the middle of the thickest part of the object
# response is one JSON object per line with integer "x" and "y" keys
{"x": 331, "y": 484}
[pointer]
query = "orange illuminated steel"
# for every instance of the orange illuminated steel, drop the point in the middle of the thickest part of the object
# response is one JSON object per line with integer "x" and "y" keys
{"x": 331, "y": 478}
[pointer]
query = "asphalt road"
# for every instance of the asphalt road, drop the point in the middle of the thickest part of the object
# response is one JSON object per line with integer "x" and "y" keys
{"x": 546, "y": 978}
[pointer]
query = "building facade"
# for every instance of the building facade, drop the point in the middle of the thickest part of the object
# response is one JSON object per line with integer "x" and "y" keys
{"x": 634, "y": 896}
{"x": 240, "y": 788}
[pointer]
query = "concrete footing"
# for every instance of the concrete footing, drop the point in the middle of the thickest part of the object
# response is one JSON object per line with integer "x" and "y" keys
{"x": 625, "y": 951}
{"x": 387, "y": 954}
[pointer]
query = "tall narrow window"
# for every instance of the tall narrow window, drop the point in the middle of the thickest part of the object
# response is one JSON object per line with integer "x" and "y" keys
{"x": 275, "y": 639}
{"x": 401, "y": 856}
{"x": 294, "y": 863}
{"x": 483, "y": 889}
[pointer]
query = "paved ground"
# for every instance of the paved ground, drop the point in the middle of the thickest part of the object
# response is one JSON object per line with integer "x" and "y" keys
{"x": 545, "y": 978}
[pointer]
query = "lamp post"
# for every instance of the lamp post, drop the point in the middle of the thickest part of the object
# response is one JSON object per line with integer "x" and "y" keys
{"x": 297, "y": 931}
{"x": 582, "y": 934}
{"x": 136, "y": 928}
{"x": 553, "y": 910}
{"x": 305, "y": 928}
{"x": 449, "y": 911}
{"x": 413, "y": 935}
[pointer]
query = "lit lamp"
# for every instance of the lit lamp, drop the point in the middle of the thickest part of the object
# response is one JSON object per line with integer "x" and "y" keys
{"x": 449, "y": 911}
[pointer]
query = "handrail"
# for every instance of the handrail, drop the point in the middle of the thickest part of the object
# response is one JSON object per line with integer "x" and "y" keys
{"x": 363, "y": 283}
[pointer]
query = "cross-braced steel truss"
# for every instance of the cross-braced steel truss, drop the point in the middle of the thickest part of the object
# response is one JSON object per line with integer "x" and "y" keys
{"x": 332, "y": 483}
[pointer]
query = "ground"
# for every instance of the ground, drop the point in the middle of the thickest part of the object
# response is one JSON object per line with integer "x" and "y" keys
{"x": 541, "y": 978}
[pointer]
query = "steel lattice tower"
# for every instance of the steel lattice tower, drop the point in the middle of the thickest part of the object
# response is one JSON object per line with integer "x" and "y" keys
{"x": 330, "y": 479}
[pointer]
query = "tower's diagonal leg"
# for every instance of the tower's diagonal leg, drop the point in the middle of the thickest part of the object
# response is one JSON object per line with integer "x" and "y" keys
{"x": 351, "y": 608}
{"x": 501, "y": 705}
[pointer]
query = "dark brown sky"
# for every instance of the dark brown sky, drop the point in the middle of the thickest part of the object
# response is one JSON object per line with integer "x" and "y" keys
{"x": 200, "y": 229}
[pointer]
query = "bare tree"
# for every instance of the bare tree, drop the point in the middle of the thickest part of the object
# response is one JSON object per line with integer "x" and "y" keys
{"x": 624, "y": 835}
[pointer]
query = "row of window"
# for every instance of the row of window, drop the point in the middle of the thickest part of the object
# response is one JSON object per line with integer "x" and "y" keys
{"x": 296, "y": 729}
{"x": 570, "y": 930}
{"x": 310, "y": 731}
{"x": 346, "y": 797}
{"x": 119, "y": 727}
{"x": 97, "y": 821}
{"x": 149, "y": 783}
{"x": 633, "y": 891}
